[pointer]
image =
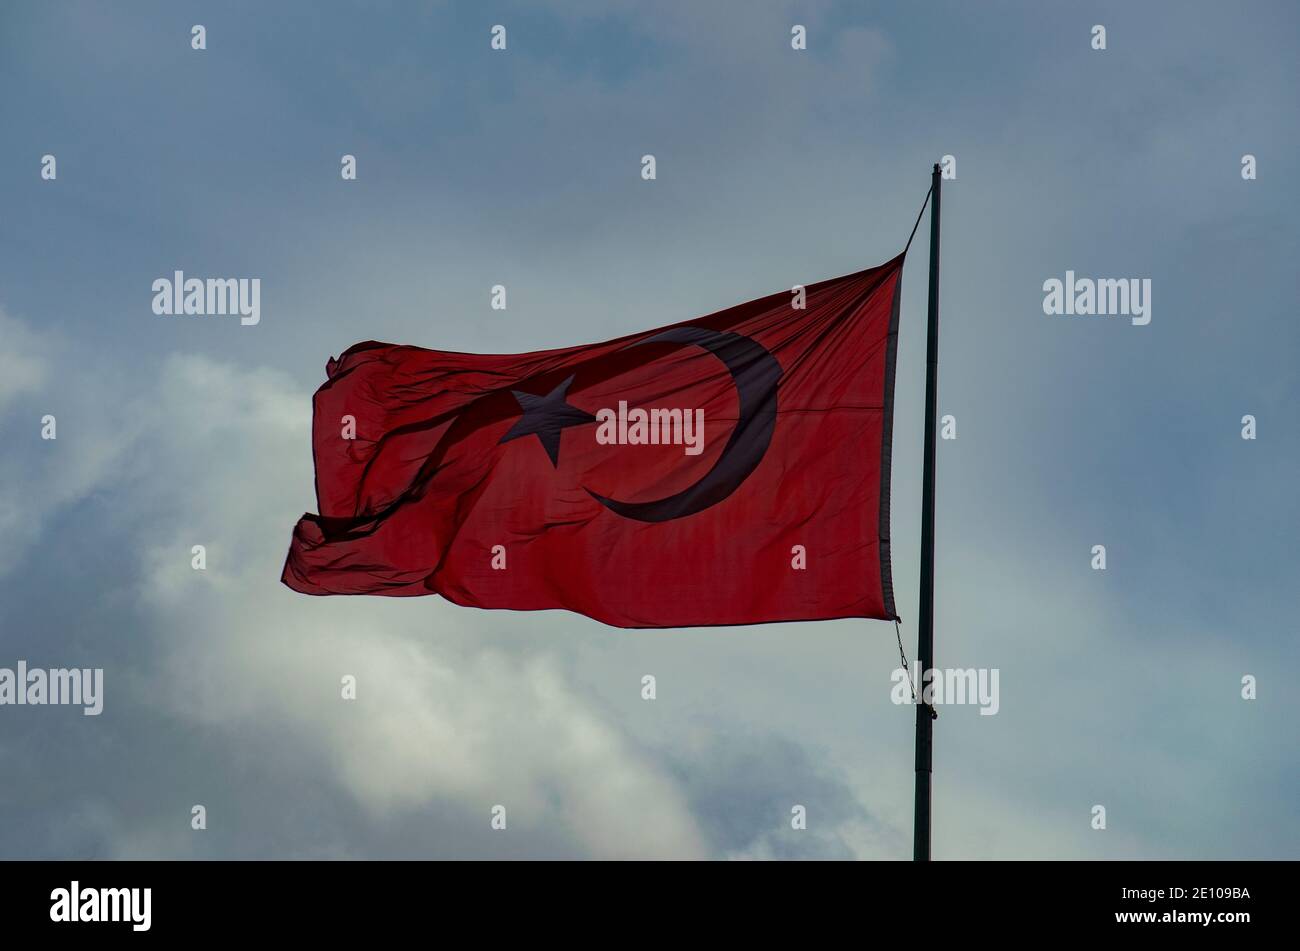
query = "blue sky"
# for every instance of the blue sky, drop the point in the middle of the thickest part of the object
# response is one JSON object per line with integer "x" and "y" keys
{"x": 775, "y": 167}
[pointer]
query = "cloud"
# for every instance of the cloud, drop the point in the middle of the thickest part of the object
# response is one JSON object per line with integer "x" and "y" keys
{"x": 753, "y": 782}
{"x": 219, "y": 457}
{"x": 22, "y": 360}
{"x": 91, "y": 431}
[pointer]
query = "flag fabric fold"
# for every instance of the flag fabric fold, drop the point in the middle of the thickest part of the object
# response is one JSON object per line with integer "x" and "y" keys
{"x": 732, "y": 469}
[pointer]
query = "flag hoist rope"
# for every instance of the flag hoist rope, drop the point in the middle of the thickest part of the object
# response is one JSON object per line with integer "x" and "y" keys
{"x": 918, "y": 219}
{"x": 902, "y": 654}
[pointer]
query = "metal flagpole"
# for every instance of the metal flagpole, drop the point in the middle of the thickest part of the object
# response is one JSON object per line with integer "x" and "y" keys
{"x": 925, "y": 713}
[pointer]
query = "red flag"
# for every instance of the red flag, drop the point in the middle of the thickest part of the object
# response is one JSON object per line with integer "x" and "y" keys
{"x": 731, "y": 469}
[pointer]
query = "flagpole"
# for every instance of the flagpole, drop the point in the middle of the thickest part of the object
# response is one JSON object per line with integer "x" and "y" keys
{"x": 925, "y": 714}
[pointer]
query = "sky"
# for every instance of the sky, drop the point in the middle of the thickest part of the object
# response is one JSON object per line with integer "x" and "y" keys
{"x": 775, "y": 166}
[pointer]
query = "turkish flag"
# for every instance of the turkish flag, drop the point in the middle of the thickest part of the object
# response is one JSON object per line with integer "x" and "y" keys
{"x": 732, "y": 469}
